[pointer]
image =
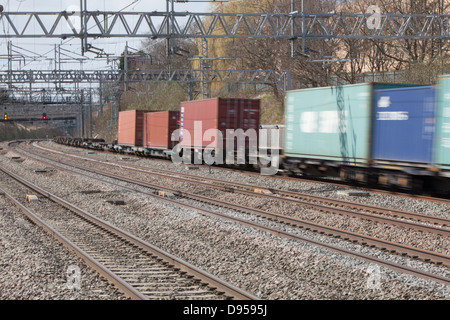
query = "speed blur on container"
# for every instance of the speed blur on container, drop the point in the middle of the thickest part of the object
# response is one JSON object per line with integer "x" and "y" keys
{"x": 404, "y": 125}
{"x": 331, "y": 123}
{"x": 131, "y": 128}
{"x": 442, "y": 143}
{"x": 217, "y": 113}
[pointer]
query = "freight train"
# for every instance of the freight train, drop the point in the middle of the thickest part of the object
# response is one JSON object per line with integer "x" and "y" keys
{"x": 386, "y": 134}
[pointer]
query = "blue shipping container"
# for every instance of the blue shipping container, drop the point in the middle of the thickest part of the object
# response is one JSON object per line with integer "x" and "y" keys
{"x": 403, "y": 124}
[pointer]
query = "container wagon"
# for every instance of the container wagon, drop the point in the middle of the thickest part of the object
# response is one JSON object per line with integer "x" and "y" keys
{"x": 158, "y": 130}
{"x": 131, "y": 130}
{"x": 442, "y": 144}
{"x": 225, "y": 115}
{"x": 329, "y": 130}
{"x": 441, "y": 154}
{"x": 403, "y": 126}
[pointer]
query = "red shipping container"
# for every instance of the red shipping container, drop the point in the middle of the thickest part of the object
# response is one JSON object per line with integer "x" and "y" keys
{"x": 131, "y": 128}
{"x": 159, "y": 127}
{"x": 217, "y": 113}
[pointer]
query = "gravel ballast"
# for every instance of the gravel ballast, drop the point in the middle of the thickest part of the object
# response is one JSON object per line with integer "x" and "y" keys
{"x": 268, "y": 266}
{"x": 34, "y": 266}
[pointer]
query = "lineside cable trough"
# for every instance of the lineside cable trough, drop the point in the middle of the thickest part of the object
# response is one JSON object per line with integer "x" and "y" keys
{"x": 32, "y": 198}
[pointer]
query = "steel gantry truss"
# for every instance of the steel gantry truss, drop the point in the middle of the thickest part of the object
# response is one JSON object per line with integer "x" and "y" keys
{"x": 95, "y": 76}
{"x": 48, "y": 96}
{"x": 170, "y": 25}
{"x": 85, "y": 24}
{"x": 96, "y": 24}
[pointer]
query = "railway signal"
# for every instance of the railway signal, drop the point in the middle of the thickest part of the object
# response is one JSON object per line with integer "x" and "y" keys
{"x": 44, "y": 116}
{"x": 5, "y": 117}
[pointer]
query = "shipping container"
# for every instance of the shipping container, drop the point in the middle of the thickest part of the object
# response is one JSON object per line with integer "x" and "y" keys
{"x": 159, "y": 127}
{"x": 224, "y": 114}
{"x": 403, "y": 125}
{"x": 131, "y": 128}
{"x": 442, "y": 140}
{"x": 331, "y": 123}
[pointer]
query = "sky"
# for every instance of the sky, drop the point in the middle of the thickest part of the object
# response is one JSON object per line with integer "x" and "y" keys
{"x": 72, "y": 48}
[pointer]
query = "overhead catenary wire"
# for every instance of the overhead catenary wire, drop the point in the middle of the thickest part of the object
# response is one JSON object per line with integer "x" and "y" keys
{"x": 65, "y": 42}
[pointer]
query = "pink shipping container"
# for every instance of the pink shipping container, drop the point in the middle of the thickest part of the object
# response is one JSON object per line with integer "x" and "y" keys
{"x": 217, "y": 113}
{"x": 159, "y": 127}
{"x": 131, "y": 128}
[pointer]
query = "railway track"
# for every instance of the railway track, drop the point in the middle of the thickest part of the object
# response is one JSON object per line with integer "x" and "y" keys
{"x": 301, "y": 199}
{"x": 392, "y": 247}
{"x": 323, "y": 204}
{"x": 404, "y": 193}
{"x": 138, "y": 269}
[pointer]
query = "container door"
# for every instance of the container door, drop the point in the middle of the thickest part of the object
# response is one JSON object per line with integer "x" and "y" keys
{"x": 331, "y": 123}
{"x": 228, "y": 118}
{"x": 139, "y": 142}
{"x": 196, "y": 118}
{"x": 403, "y": 124}
{"x": 174, "y": 124}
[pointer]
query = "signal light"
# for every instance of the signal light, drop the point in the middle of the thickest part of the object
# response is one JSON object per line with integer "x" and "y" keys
{"x": 5, "y": 117}
{"x": 44, "y": 116}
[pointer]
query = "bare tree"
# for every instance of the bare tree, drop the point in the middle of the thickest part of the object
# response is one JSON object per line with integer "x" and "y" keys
{"x": 410, "y": 56}
{"x": 276, "y": 54}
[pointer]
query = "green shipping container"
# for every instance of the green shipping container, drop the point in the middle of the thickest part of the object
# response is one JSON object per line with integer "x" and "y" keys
{"x": 331, "y": 123}
{"x": 442, "y": 140}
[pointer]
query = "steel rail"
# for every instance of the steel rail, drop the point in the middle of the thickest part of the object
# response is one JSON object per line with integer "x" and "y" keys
{"x": 364, "y": 240}
{"x": 221, "y": 285}
{"x": 283, "y": 176}
{"x": 392, "y": 265}
{"x": 335, "y": 202}
{"x": 382, "y": 219}
{"x": 346, "y": 235}
{"x": 123, "y": 286}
